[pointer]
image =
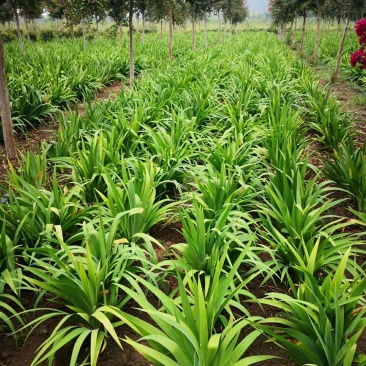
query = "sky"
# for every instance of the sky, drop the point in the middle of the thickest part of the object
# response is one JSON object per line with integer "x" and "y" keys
{"x": 258, "y": 5}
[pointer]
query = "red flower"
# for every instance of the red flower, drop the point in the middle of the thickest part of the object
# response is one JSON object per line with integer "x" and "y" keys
{"x": 361, "y": 31}
{"x": 359, "y": 57}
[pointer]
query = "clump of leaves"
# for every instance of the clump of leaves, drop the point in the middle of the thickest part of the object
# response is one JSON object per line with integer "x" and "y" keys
{"x": 85, "y": 279}
{"x": 347, "y": 168}
{"x": 321, "y": 323}
{"x": 186, "y": 331}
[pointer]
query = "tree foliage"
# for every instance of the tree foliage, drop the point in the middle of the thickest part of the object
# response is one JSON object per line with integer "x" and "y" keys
{"x": 284, "y": 11}
{"x": 6, "y": 12}
{"x": 235, "y": 11}
{"x": 118, "y": 11}
{"x": 30, "y": 9}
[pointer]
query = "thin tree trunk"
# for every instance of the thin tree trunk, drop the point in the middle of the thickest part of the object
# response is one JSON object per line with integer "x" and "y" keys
{"x": 161, "y": 29}
{"x": 193, "y": 32}
{"x": 130, "y": 25}
{"x": 120, "y": 34}
{"x": 84, "y": 32}
{"x": 317, "y": 35}
{"x": 291, "y": 32}
{"x": 295, "y": 34}
{"x": 170, "y": 33}
{"x": 219, "y": 30}
{"x": 27, "y": 29}
{"x": 338, "y": 25}
{"x": 143, "y": 28}
{"x": 303, "y": 31}
{"x": 72, "y": 33}
{"x": 205, "y": 30}
{"x": 281, "y": 31}
{"x": 336, "y": 71}
{"x": 5, "y": 107}
{"x": 21, "y": 46}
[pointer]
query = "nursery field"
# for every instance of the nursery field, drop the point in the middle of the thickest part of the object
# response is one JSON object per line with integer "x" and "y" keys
{"x": 210, "y": 214}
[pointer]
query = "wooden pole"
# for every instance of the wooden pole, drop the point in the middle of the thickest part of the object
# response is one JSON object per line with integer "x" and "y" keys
{"x": 336, "y": 71}
{"x": 303, "y": 30}
{"x": 170, "y": 33}
{"x": 5, "y": 107}
{"x": 317, "y": 35}
{"x": 193, "y": 31}
{"x": 219, "y": 30}
{"x": 21, "y": 46}
{"x": 83, "y": 22}
{"x": 205, "y": 30}
{"x": 120, "y": 34}
{"x": 132, "y": 64}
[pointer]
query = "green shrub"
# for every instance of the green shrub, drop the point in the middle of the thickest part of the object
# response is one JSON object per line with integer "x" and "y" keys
{"x": 9, "y": 35}
{"x": 321, "y": 324}
{"x": 347, "y": 168}
{"x": 47, "y": 35}
{"x": 33, "y": 36}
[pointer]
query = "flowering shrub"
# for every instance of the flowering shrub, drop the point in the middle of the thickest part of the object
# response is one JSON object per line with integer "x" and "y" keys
{"x": 361, "y": 31}
{"x": 359, "y": 57}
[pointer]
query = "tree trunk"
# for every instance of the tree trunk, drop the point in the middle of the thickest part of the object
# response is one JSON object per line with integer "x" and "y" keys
{"x": 291, "y": 32}
{"x": 219, "y": 30}
{"x": 130, "y": 25}
{"x": 338, "y": 24}
{"x": 281, "y": 31}
{"x": 317, "y": 35}
{"x": 84, "y": 32}
{"x": 72, "y": 33}
{"x": 5, "y": 108}
{"x": 336, "y": 71}
{"x": 161, "y": 29}
{"x": 120, "y": 34}
{"x": 170, "y": 33}
{"x": 303, "y": 31}
{"x": 193, "y": 32}
{"x": 205, "y": 30}
{"x": 143, "y": 28}
{"x": 21, "y": 46}
{"x": 294, "y": 34}
{"x": 27, "y": 29}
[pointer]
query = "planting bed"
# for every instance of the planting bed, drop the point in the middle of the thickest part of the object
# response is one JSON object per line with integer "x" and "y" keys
{"x": 191, "y": 196}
